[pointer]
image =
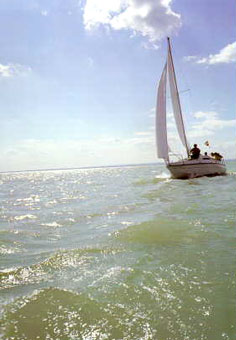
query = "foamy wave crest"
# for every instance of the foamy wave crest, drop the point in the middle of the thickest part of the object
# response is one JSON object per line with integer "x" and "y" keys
{"x": 6, "y": 250}
{"x": 163, "y": 175}
{"x": 232, "y": 173}
{"x": 32, "y": 198}
{"x": 53, "y": 224}
{"x": 158, "y": 178}
{"x": 25, "y": 217}
{"x": 45, "y": 270}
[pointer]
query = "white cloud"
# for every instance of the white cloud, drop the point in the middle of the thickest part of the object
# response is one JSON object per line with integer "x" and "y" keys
{"x": 143, "y": 133}
{"x": 226, "y": 55}
{"x": 206, "y": 115}
{"x": 207, "y": 125}
{"x": 191, "y": 58}
{"x": 212, "y": 120}
{"x": 103, "y": 150}
{"x": 215, "y": 124}
{"x": 153, "y": 19}
{"x": 12, "y": 70}
{"x": 210, "y": 124}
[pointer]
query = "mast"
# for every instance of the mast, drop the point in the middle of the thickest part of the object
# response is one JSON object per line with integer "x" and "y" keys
{"x": 177, "y": 97}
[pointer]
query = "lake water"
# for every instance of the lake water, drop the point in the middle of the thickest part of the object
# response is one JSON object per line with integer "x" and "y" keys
{"x": 117, "y": 253}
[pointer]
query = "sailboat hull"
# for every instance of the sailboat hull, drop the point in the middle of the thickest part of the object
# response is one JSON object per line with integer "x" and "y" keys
{"x": 194, "y": 168}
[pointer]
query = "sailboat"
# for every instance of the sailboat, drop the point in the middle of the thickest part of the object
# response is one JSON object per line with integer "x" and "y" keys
{"x": 188, "y": 167}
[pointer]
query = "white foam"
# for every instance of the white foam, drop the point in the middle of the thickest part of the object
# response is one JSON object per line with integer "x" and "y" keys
{"x": 163, "y": 175}
{"x": 23, "y": 217}
{"x": 52, "y": 224}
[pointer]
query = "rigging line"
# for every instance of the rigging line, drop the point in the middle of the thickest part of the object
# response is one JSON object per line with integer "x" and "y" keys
{"x": 188, "y": 90}
{"x": 185, "y": 91}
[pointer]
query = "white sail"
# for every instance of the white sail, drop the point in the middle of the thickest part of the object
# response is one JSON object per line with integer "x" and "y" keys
{"x": 161, "y": 131}
{"x": 175, "y": 100}
{"x": 184, "y": 168}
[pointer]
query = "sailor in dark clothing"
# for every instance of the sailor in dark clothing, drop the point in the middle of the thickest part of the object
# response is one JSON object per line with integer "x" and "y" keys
{"x": 195, "y": 152}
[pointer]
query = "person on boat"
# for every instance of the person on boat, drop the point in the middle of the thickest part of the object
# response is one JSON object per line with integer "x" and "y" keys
{"x": 217, "y": 156}
{"x": 206, "y": 156}
{"x": 195, "y": 152}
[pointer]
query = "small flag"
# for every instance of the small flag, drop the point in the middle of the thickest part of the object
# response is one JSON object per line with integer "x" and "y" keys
{"x": 207, "y": 143}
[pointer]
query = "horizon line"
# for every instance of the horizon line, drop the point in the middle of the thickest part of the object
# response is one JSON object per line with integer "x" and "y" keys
{"x": 92, "y": 167}
{"x": 82, "y": 167}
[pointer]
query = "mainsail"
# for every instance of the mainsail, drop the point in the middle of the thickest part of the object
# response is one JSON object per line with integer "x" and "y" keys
{"x": 175, "y": 100}
{"x": 161, "y": 129}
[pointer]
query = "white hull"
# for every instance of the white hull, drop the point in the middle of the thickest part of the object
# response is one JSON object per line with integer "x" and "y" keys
{"x": 196, "y": 168}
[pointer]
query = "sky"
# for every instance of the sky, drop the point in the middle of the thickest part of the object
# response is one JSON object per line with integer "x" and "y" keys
{"x": 78, "y": 79}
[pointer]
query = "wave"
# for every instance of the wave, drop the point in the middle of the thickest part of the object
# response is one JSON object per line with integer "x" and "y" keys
{"x": 45, "y": 270}
{"x": 231, "y": 173}
{"x": 8, "y": 247}
{"x": 157, "y": 308}
{"x": 163, "y": 175}
{"x": 53, "y": 224}
{"x": 8, "y": 250}
{"x": 158, "y": 178}
{"x": 23, "y": 217}
{"x": 161, "y": 231}
{"x": 61, "y": 314}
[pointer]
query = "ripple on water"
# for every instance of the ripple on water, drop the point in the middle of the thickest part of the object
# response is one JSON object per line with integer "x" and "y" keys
{"x": 160, "y": 231}
{"x": 157, "y": 263}
{"x": 63, "y": 314}
{"x": 124, "y": 312}
{"x": 55, "y": 265}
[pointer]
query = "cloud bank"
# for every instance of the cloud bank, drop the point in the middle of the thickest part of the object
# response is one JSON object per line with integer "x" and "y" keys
{"x": 209, "y": 123}
{"x": 225, "y": 56}
{"x": 72, "y": 153}
{"x": 153, "y": 19}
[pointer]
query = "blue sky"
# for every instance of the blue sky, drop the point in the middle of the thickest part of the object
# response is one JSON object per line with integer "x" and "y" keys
{"x": 78, "y": 79}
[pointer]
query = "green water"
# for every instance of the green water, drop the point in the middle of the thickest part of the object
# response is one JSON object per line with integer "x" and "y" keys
{"x": 117, "y": 253}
